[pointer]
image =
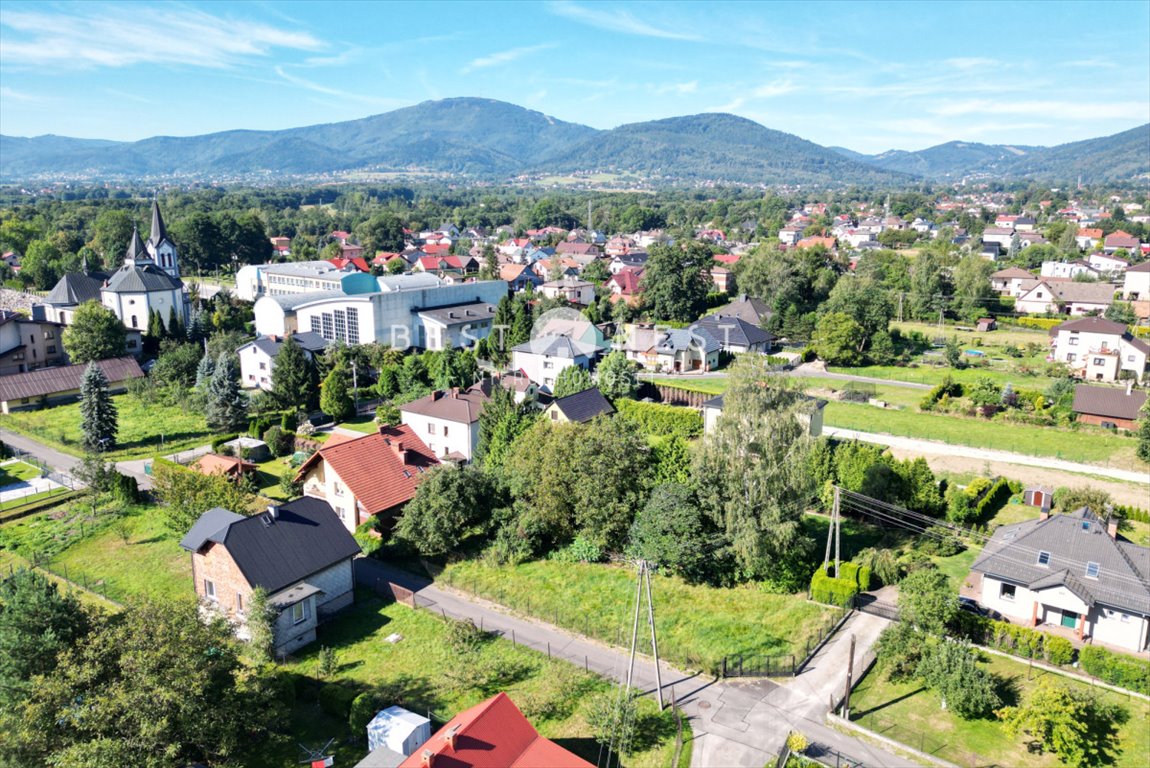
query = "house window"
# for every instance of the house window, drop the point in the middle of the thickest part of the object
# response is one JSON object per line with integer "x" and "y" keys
{"x": 1092, "y": 570}
{"x": 299, "y": 613}
{"x": 1044, "y": 558}
{"x": 1099, "y": 361}
{"x": 1070, "y": 358}
{"x": 1074, "y": 341}
{"x": 337, "y": 488}
{"x": 1130, "y": 358}
{"x": 445, "y": 431}
{"x": 548, "y": 365}
{"x": 210, "y": 590}
{"x": 554, "y": 415}
{"x": 1125, "y": 618}
{"x": 263, "y": 366}
{"x": 1006, "y": 592}
{"x": 52, "y": 349}
{"x": 430, "y": 428}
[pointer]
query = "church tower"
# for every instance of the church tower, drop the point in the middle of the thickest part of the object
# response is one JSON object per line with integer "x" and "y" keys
{"x": 160, "y": 246}
{"x": 137, "y": 254}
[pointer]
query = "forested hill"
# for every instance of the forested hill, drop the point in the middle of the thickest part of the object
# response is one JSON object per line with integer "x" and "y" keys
{"x": 1120, "y": 157}
{"x": 495, "y": 140}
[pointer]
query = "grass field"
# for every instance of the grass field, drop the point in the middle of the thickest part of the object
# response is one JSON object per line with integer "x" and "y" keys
{"x": 595, "y": 600}
{"x": 1087, "y": 445}
{"x": 908, "y": 713}
{"x": 141, "y": 427}
{"x": 424, "y": 674}
{"x": 932, "y": 375}
{"x": 711, "y": 386}
{"x": 1000, "y": 338}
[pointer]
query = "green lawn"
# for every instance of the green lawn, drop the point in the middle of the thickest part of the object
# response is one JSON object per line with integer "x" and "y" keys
{"x": 957, "y": 567}
{"x": 697, "y": 625}
{"x": 1085, "y": 445}
{"x": 16, "y": 471}
{"x": 424, "y": 674}
{"x": 711, "y": 386}
{"x": 1000, "y": 338}
{"x": 364, "y": 424}
{"x": 141, "y": 427}
{"x": 932, "y": 375}
{"x": 908, "y": 713}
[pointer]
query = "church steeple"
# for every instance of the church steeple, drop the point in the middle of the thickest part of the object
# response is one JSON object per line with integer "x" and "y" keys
{"x": 162, "y": 249}
{"x": 159, "y": 233}
{"x": 137, "y": 255}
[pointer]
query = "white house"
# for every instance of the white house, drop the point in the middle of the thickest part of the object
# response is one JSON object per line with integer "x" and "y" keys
{"x": 1009, "y": 282}
{"x": 572, "y": 289}
{"x": 1070, "y": 571}
{"x": 543, "y": 358}
{"x": 672, "y": 349}
{"x": 1136, "y": 283}
{"x": 1066, "y": 296}
{"x": 1097, "y": 349}
{"x": 447, "y": 422}
{"x": 257, "y": 358}
{"x": 1068, "y": 269}
{"x": 1107, "y": 264}
{"x": 811, "y": 418}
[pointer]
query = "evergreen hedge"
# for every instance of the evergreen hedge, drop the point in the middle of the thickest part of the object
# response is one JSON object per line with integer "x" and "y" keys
{"x": 1116, "y": 669}
{"x": 659, "y": 419}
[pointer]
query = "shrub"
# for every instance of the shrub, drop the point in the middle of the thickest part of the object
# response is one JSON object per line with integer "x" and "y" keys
{"x": 363, "y": 709}
{"x": 218, "y": 442}
{"x": 658, "y": 419}
{"x": 1116, "y": 669}
{"x": 280, "y": 443}
{"x": 336, "y": 700}
{"x": 1042, "y": 323}
{"x": 900, "y": 650}
{"x": 832, "y": 591}
{"x": 796, "y": 742}
{"x": 1058, "y": 650}
{"x": 579, "y": 551}
{"x": 367, "y": 536}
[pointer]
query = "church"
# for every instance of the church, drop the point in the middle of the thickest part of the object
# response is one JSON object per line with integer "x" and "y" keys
{"x": 148, "y": 280}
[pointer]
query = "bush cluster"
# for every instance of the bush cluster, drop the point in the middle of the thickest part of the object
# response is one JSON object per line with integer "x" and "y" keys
{"x": 1041, "y": 323}
{"x": 336, "y": 700}
{"x": 658, "y": 419}
{"x": 1116, "y": 669}
{"x": 1016, "y": 639}
{"x": 852, "y": 579}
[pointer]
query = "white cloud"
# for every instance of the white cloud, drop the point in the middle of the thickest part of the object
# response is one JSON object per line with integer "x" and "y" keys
{"x": 311, "y": 85}
{"x": 14, "y": 95}
{"x": 1059, "y": 110}
{"x": 971, "y": 62}
{"x": 618, "y": 20}
{"x": 90, "y": 36}
{"x": 503, "y": 57}
{"x": 680, "y": 88}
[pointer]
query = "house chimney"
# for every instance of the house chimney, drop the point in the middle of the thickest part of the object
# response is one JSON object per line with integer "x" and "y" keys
{"x": 400, "y": 451}
{"x": 1112, "y": 527}
{"x": 273, "y": 512}
{"x": 427, "y": 758}
{"x": 436, "y": 395}
{"x": 449, "y": 737}
{"x": 1129, "y": 387}
{"x": 455, "y": 393}
{"x": 1045, "y": 513}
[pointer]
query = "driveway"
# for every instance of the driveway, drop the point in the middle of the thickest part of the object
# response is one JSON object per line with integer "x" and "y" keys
{"x": 735, "y": 723}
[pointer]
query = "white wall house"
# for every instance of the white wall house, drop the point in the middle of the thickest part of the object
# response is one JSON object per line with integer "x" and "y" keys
{"x": 1136, "y": 283}
{"x": 447, "y": 422}
{"x": 1098, "y": 350}
{"x": 257, "y": 358}
{"x": 542, "y": 359}
{"x": 572, "y": 289}
{"x": 1072, "y": 572}
{"x": 1053, "y": 296}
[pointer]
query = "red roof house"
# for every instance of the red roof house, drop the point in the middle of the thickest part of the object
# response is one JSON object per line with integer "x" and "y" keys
{"x": 356, "y": 262}
{"x": 492, "y": 734}
{"x": 373, "y": 475}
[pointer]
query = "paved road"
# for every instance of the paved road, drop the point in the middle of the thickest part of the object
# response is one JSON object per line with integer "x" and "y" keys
{"x": 735, "y": 723}
{"x": 928, "y": 447}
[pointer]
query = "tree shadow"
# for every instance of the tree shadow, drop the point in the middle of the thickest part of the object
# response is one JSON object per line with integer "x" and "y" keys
{"x": 858, "y": 714}
{"x": 1008, "y": 689}
{"x": 587, "y": 748}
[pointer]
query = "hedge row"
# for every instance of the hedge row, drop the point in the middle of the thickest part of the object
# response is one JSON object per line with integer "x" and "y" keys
{"x": 1016, "y": 639}
{"x": 1116, "y": 669}
{"x": 659, "y": 419}
{"x": 996, "y": 495}
{"x": 218, "y": 442}
{"x": 1135, "y": 514}
{"x": 1042, "y": 323}
{"x": 852, "y": 579}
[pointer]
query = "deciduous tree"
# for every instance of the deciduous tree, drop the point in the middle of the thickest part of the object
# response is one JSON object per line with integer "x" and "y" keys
{"x": 95, "y": 334}
{"x": 927, "y": 601}
{"x": 335, "y": 395}
{"x": 617, "y": 376}
{"x": 677, "y": 280}
{"x": 451, "y": 505}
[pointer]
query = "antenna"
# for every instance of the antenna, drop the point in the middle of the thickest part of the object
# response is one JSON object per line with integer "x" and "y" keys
{"x": 318, "y": 758}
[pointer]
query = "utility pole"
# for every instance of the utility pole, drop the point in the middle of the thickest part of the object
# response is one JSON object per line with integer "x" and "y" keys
{"x": 900, "y": 295}
{"x": 643, "y": 577}
{"x": 838, "y": 530}
{"x": 654, "y": 641}
{"x": 635, "y": 628}
{"x": 850, "y": 679}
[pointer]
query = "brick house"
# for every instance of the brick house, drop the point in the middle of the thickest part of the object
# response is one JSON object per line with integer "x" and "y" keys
{"x": 370, "y": 476}
{"x": 299, "y": 553}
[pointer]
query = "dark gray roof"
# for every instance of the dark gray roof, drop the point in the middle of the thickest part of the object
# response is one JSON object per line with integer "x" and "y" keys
{"x": 159, "y": 231}
{"x": 270, "y": 345}
{"x": 734, "y": 330}
{"x": 212, "y": 526}
{"x": 556, "y": 346}
{"x": 1073, "y": 540}
{"x": 697, "y": 337}
{"x": 584, "y": 406}
{"x": 1115, "y": 402}
{"x": 64, "y": 378}
{"x": 134, "y": 279}
{"x": 460, "y": 313}
{"x": 76, "y": 288}
{"x": 305, "y": 537}
{"x": 136, "y": 250}
{"x": 754, "y": 311}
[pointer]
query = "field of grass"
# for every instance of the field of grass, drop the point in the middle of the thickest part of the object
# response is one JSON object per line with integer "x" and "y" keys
{"x": 711, "y": 386}
{"x": 141, "y": 427}
{"x": 925, "y": 374}
{"x": 425, "y": 676}
{"x": 697, "y": 625}
{"x": 1002, "y": 337}
{"x": 1087, "y": 445}
{"x": 906, "y": 712}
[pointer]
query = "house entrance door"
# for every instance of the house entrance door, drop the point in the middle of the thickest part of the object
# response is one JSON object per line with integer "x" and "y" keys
{"x": 1069, "y": 619}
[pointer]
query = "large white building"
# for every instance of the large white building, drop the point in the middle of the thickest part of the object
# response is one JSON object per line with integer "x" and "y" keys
{"x": 300, "y": 277}
{"x": 1098, "y": 350}
{"x": 406, "y": 310}
{"x": 148, "y": 281}
{"x": 1070, "y": 571}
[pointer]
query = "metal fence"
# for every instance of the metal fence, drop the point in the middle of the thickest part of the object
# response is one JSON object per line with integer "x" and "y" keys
{"x": 761, "y": 665}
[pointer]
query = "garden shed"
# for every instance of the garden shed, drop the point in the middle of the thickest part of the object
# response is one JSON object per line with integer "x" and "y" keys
{"x": 1038, "y": 496}
{"x": 250, "y": 449}
{"x": 399, "y": 730}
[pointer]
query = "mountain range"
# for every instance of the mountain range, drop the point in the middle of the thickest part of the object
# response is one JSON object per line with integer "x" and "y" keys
{"x": 485, "y": 138}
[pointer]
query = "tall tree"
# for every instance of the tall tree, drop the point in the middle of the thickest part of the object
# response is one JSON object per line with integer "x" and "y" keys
{"x": 490, "y": 268}
{"x": 227, "y": 408}
{"x": 1144, "y": 433}
{"x": 972, "y": 288}
{"x": 864, "y": 301}
{"x": 335, "y": 396}
{"x": 293, "y": 377}
{"x": 452, "y": 504}
{"x": 95, "y": 334}
{"x": 571, "y": 380}
{"x": 617, "y": 376}
{"x": 382, "y": 232}
{"x": 97, "y": 411}
{"x": 677, "y": 280}
{"x": 751, "y": 475}
{"x": 501, "y": 422}
{"x": 672, "y": 532}
{"x": 175, "y": 328}
{"x": 37, "y": 622}
{"x": 1072, "y": 724}
{"x": 926, "y": 601}
{"x": 204, "y": 371}
{"x": 951, "y": 669}
{"x": 111, "y": 233}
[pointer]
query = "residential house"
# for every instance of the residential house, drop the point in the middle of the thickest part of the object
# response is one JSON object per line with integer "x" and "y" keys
{"x": 723, "y": 279}
{"x": 26, "y": 345}
{"x": 447, "y": 422}
{"x": 632, "y": 260}
{"x": 1136, "y": 282}
{"x": 1120, "y": 240}
{"x": 572, "y": 289}
{"x": 1068, "y": 270}
{"x": 1108, "y": 265}
{"x": 492, "y": 734}
{"x": 617, "y": 246}
{"x": 1000, "y": 235}
{"x": 588, "y": 251}
{"x": 61, "y": 384}
{"x": 460, "y": 325}
{"x": 1112, "y": 407}
{"x": 1097, "y": 349}
{"x": 298, "y": 553}
{"x": 1067, "y": 297}
{"x": 232, "y": 467}
{"x": 521, "y": 387}
{"x": 811, "y": 242}
{"x": 790, "y": 235}
{"x": 985, "y": 324}
{"x": 736, "y": 335}
{"x": 753, "y": 311}
{"x": 1070, "y": 571}
{"x": 1025, "y": 223}
{"x": 579, "y": 408}
{"x": 1008, "y": 282}
{"x": 626, "y": 285}
{"x": 460, "y": 265}
{"x": 672, "y": 349}
{"x": 367, "y": 477}
{"x": 1088, "y": 239}
{"x": 543, "y": 358}
{"x": 811, "y": 417}
{"x": 574, "y": 327}
{"x": 519, "y": 276}
{"x": 257, "y": 358}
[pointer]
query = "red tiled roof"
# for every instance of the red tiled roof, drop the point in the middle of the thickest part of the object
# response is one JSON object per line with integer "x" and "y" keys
{"x": 1091, "y": 233}
{"x": 493, "y": 734}
{"x": 627, "y": 280}
{"x": 727, "y": 258}
{"x": 435, "y": 249}
{"x": 371, "y": 468}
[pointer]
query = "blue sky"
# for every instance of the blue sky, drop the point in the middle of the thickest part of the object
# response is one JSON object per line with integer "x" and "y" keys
{"x": 868, "y": 76}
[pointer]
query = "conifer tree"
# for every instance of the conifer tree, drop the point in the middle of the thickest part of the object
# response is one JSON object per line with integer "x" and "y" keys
{"x": 97, "y": 411}
{"x": 175, "y": 327}
{"x": 335, "y": 399}
{"x": 227, "y": 408}
{"x": 293, "y": 377}
{"x": 204, "y": 372}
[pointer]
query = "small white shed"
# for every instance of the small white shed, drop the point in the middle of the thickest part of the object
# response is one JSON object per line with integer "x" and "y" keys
{"x": 398, "y": 730}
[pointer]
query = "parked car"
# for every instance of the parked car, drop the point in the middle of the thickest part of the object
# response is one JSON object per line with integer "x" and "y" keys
{"x": 970, "y": 605}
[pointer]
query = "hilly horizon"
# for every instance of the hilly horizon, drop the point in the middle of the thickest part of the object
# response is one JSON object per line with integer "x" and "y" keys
{"x": 490, "y": 139}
